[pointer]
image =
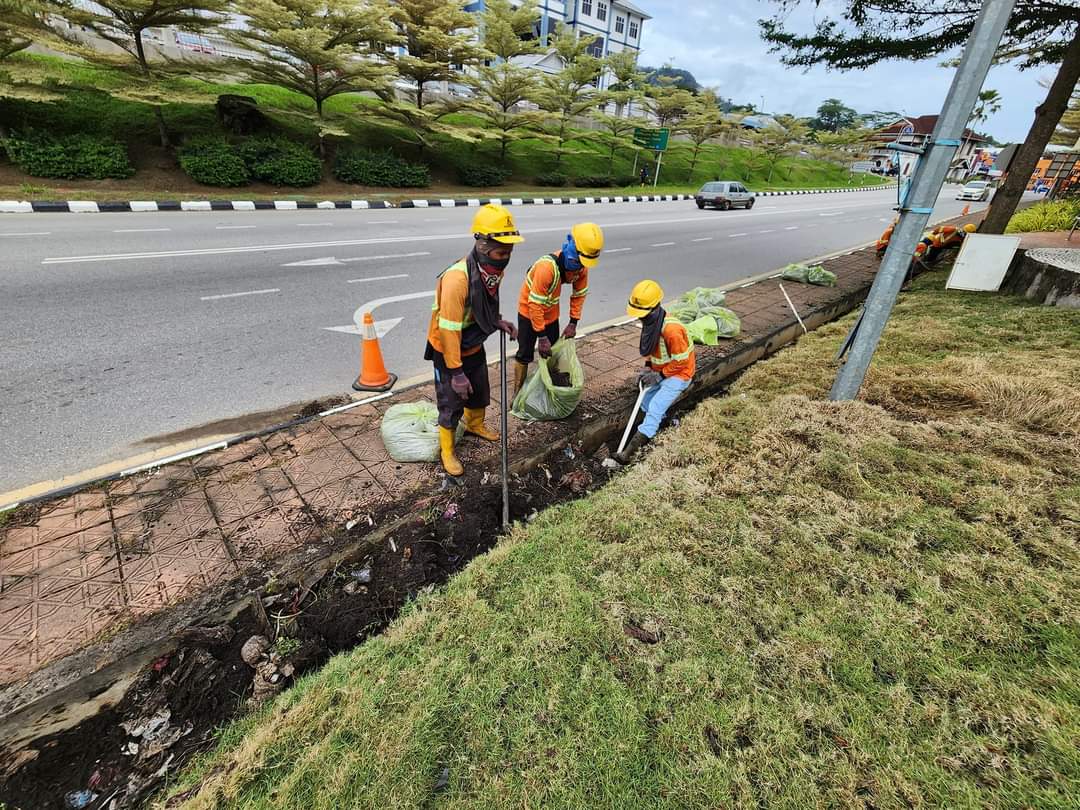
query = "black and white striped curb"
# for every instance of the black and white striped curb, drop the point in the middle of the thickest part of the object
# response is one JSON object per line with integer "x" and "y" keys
{"x": 91, "y": 207}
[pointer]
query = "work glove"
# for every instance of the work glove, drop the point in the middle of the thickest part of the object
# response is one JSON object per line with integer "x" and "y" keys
{"x": 570, "y": 331}
{"x": 461, "y": 385}
{"x": 648, "y": 378}
{"x": 508, "y": 328}
{"x": 544, "y": 347}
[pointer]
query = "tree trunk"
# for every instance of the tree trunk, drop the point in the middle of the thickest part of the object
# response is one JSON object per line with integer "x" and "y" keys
{"x": 322, "y": 141}
{"x": 419, "y": 95}
{"x": 1028, "y": 155}
{"x": 159, "y": 116}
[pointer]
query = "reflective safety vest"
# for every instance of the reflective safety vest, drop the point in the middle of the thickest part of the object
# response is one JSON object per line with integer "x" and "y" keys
{"x": 542, "y": 289}
{"x": 661, "y": 356}
{"x": 467, "y": 318}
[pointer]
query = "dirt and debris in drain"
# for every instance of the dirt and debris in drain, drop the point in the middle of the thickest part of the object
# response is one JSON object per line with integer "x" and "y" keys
{"x": 120, "y": 757}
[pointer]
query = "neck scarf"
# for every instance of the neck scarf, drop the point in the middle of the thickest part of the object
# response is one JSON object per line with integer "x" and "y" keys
{"x": 651, "y": 327}
{"x": 484, "y": 304}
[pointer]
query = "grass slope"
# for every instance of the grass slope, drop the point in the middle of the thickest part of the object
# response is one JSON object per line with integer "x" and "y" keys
{"x": 871, "y": 604}
{"x": 88, "y": 107}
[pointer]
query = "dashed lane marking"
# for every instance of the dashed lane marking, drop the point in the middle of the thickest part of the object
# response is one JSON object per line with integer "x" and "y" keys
{"x": 239, "y": 294}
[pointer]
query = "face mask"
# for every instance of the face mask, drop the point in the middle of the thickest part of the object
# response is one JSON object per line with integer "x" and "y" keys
{"x": 492, "y": 278}
{"x": 571, "y": 260}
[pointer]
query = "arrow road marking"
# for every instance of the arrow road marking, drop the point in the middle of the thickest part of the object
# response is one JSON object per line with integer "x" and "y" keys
{"x": 331, "y": 260}
{"x": 381, "y": 327}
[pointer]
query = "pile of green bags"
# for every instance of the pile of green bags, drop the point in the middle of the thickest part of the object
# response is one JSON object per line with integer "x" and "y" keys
{"x": 410, "y": 431}
{"x": 540, "y": 399}
{"x": 702, "y": 312}
{"x": 806, "y": 274}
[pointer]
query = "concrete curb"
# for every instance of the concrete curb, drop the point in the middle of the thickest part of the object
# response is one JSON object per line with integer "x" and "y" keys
{"x": 143, "y": 206}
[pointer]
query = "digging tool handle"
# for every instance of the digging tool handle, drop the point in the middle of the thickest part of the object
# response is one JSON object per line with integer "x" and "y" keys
{"x": 633, "y": 414}
{"x": 503, "y": 438}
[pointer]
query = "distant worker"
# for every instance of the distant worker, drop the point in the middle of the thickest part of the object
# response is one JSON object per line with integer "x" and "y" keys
{"x": 538, "y": 304}
{"x": 885, "y": 238}
{"x": 669, "y": 362}
{"x": 465, "y": 313}
{"x": 644, "y": 176}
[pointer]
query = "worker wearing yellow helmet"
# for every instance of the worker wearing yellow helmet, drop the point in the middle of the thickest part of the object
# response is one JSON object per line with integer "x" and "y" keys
{"x": 465, "y": 313}
{"x": 538, "y": 304}
{"x": 669, "y": 361}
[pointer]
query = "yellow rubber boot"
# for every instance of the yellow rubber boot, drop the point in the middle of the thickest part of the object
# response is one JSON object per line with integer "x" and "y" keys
{"x": 521, "y": 370}
{"x": 449, "y": 457}
{"x": 474, "y": 424}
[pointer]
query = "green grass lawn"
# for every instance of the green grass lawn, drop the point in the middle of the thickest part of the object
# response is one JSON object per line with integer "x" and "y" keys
{"x": 89, "y": 107}
{"x": 872, "y": 604}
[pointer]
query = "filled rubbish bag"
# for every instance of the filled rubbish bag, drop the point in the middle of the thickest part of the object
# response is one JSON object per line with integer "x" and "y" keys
{"x": 821, "y": 277}
{"x": 796, "y": 272}
{"x": 692, "y": 307}
{"x": 410, "y": 431}
{"x": 540, "y": 399}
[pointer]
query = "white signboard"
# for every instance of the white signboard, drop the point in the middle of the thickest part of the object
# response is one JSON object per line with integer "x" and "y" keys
{"x": 983, "y": 262}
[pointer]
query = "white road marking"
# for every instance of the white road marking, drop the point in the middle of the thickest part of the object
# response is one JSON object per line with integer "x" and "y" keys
{"x": 314, "y": 224}
{"x": 616, "y": 250}
{"x": 767, "y": 231}
{"x": 323, "y": 262}
{"x": 34, "y": 233}
{"x": 331, "y": 260}
{"x": 376, "y": 278}
{"x": 703, "y": 239}
{"x": 382, "y": 327}
{"x": 141, "y": 230}
{"x": 792, "y": 228}
{"x": 385, "y": 240}
{"x": 235, "y": 227}
{"x": 733, "y": 235}
{"x": 239, "y": 294}
{"x": 833, "y": 214}
{"x": 662, "y": 244}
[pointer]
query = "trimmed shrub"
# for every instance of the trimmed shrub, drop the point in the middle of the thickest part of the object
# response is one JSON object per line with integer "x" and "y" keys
{"x": 280, "y": 162}
{"x": 482, "y": 176}
{"x": 213, "y": 162}
{"x": 625, "y": 181}
{"x": 379, "y": 168}
{"x": 552, "y": 179}
{"x": 69, "y": 157}
{"x": 594, "y": 181}
{"x": 1055, "y": 215}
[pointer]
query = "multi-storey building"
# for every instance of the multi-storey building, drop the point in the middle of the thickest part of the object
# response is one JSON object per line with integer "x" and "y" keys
{"x": 615, "y": 25}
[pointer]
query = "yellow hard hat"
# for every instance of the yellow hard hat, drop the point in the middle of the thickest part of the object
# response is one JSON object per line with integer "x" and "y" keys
{"x": 970, "y": 228}
{"x": 495, "y": 222}
{"x": 644, "y": 298}
{"x": 589, "y": 240}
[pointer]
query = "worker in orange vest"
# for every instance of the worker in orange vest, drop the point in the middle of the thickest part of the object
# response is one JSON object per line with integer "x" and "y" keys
{"x": 669, "y": 362}
{"x": 940, "y": 239}
{"x": 538, "y": 304}
{"x": 885, "y": 238}
{"x": 464, "y": 315}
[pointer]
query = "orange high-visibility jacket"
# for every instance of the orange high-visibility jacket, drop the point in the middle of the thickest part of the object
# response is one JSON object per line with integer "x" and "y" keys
{"x": 884, "y": 239}
{"x": 540, "y": 294}
{"x": 674, "y": 352}
{"x": 451, "y": 315}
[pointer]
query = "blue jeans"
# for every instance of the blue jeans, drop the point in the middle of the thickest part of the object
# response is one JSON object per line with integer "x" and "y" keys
{"x": 657, "y": 401}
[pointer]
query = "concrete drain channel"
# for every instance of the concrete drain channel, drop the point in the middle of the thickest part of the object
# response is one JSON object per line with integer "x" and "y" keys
{"x": 83, "y": 734}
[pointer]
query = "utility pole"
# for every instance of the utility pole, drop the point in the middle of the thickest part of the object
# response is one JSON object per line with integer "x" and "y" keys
{"x": 919, "y": 197}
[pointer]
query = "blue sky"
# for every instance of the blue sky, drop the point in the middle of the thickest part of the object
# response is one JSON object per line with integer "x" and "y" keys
{"x": 718, "y": 41}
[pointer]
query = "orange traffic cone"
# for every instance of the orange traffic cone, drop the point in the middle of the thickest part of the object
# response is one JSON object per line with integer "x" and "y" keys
{"x": 966, "y": 211}
{"x": 373, "y": 373}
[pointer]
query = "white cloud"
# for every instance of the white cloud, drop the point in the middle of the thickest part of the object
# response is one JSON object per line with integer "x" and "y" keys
{"x": 718, "y": 41}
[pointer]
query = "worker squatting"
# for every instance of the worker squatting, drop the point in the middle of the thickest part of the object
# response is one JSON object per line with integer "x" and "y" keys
{"x": 467, "y": 311}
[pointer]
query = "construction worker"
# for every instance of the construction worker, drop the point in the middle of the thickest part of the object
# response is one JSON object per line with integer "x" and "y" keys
{"x": 936, "y": 242}
{"x": 465, "y": 313}
{"x": 669, "y": 362}
{"x": 538, "y": 304}
{"x": 885, "y": 238}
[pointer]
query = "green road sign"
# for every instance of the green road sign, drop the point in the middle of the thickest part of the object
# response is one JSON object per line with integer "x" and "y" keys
{"x": 654, "y": 139}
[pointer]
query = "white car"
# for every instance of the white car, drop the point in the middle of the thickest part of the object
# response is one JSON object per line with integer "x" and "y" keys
{"x": 977, "y": 190}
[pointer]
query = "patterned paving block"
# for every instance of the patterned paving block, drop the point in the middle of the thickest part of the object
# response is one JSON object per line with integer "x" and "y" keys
{"x": 338, "y": 501}
{"x": 349, "y": 423}
{"x": 251, "y": 455}
{"x": 272, "y": 532}
{"x": 167, "y": 572}
{"x": 235, "y": 498}
{"x": 29, "y": 551}
{"x": 368, "y": 448}
{"x": 321, "y": 466}
{"x": 169, "y": 524}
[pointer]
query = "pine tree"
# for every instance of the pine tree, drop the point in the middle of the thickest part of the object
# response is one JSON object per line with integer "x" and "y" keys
{"x": 499, "y": 89}
{"x": 703, "y": 123}
{"x": 1039, "y": 32}
{"x": 317, "y": 48}
{"x": 439, "y": 39}
{"x": 571, "y": 92}
{"x": 124, "y": 23}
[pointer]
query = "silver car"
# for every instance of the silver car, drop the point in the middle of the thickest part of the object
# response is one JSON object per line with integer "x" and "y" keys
{"x": 977, "y": 190}
{"x": 724, "y": 194}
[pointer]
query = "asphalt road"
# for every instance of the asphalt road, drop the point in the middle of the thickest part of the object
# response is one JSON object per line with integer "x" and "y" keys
{"x": 121, "y": 332}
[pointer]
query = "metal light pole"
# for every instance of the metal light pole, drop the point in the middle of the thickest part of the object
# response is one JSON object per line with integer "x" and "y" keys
{"x": 920, "y": 196}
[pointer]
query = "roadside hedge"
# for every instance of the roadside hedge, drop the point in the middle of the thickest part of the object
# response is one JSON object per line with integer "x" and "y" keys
{"x": 280, "y": 162}
{"x": 482, "y": 176}
{"x": 379, "y": 168}
{"x": 213, "y": 162}
{"x": 68, "y": 157}
{"x": 552, "y": 179}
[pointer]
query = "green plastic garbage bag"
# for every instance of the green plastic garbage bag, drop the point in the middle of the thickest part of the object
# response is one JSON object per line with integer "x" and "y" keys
{"x": 821, "y": 277}
{"x": 702, "y": 297}
{"x": 703, "y": 330}
{"x": 539, "y": 399}
{"x": 410, "y": 431}
{"x": 728, "y": 324}
{"x": 796, "y": 272}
